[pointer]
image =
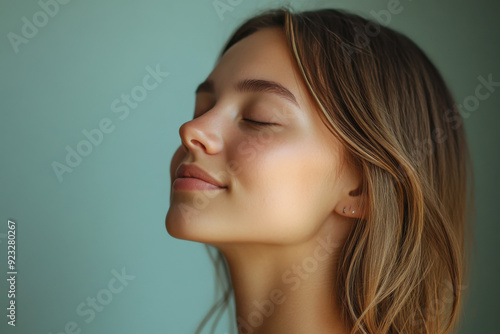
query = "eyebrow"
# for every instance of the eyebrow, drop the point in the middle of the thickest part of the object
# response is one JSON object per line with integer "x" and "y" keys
{"x": 253, "y": 85}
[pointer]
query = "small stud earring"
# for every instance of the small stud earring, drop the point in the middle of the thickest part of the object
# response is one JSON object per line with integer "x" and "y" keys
{"x": 352, "y": 211}
{"x": 343, "y": 210}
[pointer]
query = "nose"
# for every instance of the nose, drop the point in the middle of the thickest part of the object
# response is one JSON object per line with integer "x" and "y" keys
{"x": 202, "y": 134}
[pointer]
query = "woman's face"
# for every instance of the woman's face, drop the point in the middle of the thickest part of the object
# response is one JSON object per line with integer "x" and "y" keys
{"x": 282, "y": 181}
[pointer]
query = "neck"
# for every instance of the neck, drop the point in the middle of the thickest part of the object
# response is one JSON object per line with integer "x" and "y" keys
{"x": 285, "y": 289}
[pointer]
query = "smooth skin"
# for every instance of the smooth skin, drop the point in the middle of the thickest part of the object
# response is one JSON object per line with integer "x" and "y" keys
{"x": 279, "y": 221}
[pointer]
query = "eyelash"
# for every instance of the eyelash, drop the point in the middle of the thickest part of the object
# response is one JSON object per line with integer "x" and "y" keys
{"x": 259, "y": 123}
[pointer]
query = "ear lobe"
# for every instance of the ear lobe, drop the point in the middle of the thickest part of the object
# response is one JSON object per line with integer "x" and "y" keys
{"x": 352, "y": 207}
{"x": 350, "y": 211}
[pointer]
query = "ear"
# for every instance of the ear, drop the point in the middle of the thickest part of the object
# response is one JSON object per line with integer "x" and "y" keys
{"x": 351, "y": 205}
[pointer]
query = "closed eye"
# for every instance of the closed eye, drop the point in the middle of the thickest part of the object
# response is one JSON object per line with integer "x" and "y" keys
{"x": 258, "y": 123}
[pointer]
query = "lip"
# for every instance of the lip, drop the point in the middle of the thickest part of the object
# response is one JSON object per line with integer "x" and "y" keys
{"x": 192, "y": 177}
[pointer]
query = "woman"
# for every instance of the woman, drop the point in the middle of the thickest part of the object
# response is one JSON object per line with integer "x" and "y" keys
{"x": 328, "y": 166}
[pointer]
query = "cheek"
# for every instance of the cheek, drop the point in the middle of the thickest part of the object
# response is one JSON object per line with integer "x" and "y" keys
{"x": 284, "y": 190}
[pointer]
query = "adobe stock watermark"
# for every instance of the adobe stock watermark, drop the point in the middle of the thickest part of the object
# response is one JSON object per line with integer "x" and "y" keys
{"x": 224, "y": 6}
{"x": 292, "y": 279}
{"x": 248, "y": 149}
{"x": 31, "y": 26}
{"x": 469, "y": 105}
{"x": 482, "y": 92}
{"x": 88, "y": 310}
{"x": 372, "y": 28}
{"x": 436, "y": 308}
{"x": 121, "y": 107}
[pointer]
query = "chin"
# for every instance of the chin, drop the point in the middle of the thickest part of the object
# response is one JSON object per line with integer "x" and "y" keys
{"x": 194, "y": 229}
{"x": 176, "y": 226}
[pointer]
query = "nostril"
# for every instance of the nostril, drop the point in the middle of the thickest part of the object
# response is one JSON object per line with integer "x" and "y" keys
{"x": 200, "y": 135}
{"x": 195, "y": 142}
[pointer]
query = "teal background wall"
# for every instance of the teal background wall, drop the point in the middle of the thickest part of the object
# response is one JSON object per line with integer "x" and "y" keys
{"x": 106, "y": 218}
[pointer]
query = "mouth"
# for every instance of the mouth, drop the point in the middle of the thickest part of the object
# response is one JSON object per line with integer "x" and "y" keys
{"x": 193, "y": 177}
{"x": 192, "y": 183}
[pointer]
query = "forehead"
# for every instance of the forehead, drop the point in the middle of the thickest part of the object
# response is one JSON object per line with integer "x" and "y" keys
{"x": 263, "y": 55}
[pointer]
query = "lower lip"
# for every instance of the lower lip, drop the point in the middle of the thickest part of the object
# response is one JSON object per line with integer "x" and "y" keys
{"x": 190, "y": 183}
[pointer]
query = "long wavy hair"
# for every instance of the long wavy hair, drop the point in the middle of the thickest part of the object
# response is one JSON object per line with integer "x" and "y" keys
{"x": 404, "y": 266}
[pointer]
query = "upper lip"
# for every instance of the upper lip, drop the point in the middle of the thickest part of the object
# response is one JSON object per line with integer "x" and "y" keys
{"x": 198, "y": 173}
